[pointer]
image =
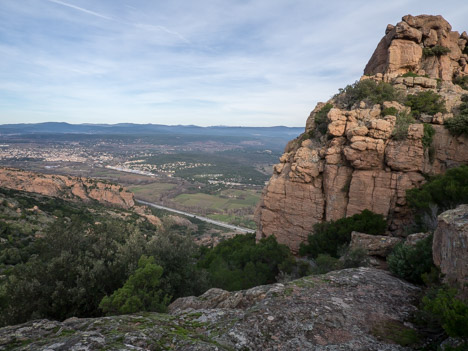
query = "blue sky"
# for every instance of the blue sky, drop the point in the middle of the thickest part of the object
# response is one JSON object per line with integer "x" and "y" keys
{"x": 204, "y": 62}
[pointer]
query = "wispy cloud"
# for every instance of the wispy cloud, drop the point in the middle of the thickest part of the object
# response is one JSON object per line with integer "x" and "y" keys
{"x": 89, "y": 12}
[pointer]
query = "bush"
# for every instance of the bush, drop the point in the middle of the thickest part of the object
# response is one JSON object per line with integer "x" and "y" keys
{"x": 329, "y": 237}
{"x": 368, "y": 91}
{"x": 451, "y": 312}
{"x": 403, "y": 121}
{"x": 436, "y": 50}
{"x": 411, "y": 262}
{"x": 425, "y": 102}
{"x": 462, "y": 81}
{"x": 428, "y": 135}
{"x": 240, "y": 263}
{"x": 458, "y": 124}
{"x": 392, "y": 111}
{"x": 414, "y": 75}
{"x": 140, "y": 292}
{"x": 321, "y": 120}
{"x": 443, "y": 191}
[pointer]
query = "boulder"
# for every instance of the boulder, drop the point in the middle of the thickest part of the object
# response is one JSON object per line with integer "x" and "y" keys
{"x": 450, "y": 247}
{"x": 374, "y": 245}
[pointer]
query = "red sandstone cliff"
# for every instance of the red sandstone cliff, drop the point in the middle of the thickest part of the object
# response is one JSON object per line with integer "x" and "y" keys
{"x": 66, "y": 187}
{"x": 358, "y": 165}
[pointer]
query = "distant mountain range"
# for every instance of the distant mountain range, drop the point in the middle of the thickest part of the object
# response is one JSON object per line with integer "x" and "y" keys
{"x": 145, "y": 129}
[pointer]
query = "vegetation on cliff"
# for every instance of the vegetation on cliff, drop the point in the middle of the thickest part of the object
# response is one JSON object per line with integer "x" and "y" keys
{"x": 458, "y": 125}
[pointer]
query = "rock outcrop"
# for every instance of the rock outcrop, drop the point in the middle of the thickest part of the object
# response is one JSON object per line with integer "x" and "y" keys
{"x": 353, "y": 309}
{"x": 412, "y": 45}
{"x": 358, "y": 164}
{"x": 66, "y": 187}
{"x": 450, "y": 247}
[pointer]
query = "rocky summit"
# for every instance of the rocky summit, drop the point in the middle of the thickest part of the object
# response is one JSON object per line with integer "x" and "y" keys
{"x": 353, "y": 309}
{"x": 357, "y": 163}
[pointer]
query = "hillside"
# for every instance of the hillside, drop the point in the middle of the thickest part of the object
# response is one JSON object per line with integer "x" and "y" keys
{"x": 377, "y": 138}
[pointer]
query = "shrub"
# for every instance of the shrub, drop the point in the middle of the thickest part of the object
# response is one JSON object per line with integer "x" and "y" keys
{"x": 451, "y": 312}
{"x": 428, "y": 135}
{"x": 140, "y": 292}
{"x": 403, "y": 120}
{"x": 443, "y": 191}
{"x": 462, "y": 81}
{"x": 368, "y": 91}
{"x": 392, "y": 111}
{"x": 241, "y": 263}
{"x": 436, "y": 50}
{"x": 414, "y": 75}
{"x": 411, "y": 262}
{"x": 321, "y": 121}
{"x": 425, "y": 102}
{"x": 329, "y": 237}
{"x": 458, "y": 124}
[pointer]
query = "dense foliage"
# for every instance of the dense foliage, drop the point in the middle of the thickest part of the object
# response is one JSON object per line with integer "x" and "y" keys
{"x": 462, "y": 81}
{"x": 411, "y": 262}
{"x": 436, "y": 50}
{"x": 427, "y": 102}
{"x": 403, "y": 121}
{"x": 329, "y": 237}
{"x": 458, "y": 124}
{"x": 240, "y": 263}
{"x": 392, "y": 111}
{"x": 367, "y": 90}
{"x": 451, "y": 312}
{"x": 443, "y": 191}
{"x": 141, "y": 292}
{"x": 321, "y": 121}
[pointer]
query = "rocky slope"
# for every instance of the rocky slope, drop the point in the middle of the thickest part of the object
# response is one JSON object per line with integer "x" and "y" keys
{"x": 358, "y": 164}
{"x": 354, "y": 309}
{"x": 66, "y": 187}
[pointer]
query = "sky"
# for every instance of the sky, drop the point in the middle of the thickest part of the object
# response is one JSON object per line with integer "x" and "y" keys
{"x": 203, "y": 62}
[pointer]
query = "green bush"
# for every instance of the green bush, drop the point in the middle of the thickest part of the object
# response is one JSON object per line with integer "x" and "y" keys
{"x": 462, "y": 81}
{"x": 411, "y": 262}
{"x": 436, "y": 50}
{"x": 451, "y": 312}
{"x": 368, "y": 91}
{"x": 241, "y": 263}
{"x": 321, "y": 120}
{"x": 458, "y": 124}
{"x": 330, "y": 237}
{"x": 392, "y": 111}
{"x": 140, "y": 292}
{"x": 443, "y": 191}
{"x": 403, "y": 121}
{"x": 414, "y": 75}
{"x": 428, "y": 135}
{"x": 425, "y": 102}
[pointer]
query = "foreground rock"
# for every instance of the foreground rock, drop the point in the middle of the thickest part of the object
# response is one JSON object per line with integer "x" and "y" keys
{"x": 358, "y": 164}
{"x": 450, "y": 247}
{"x": 351, "y": 309}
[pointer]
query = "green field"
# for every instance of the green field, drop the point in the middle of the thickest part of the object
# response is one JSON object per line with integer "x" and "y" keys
{"x": 151, "y": 192}
{"x": 226, "y": 200}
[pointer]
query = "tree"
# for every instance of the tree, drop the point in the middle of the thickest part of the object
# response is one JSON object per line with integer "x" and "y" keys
{"x": 140, "y": 292}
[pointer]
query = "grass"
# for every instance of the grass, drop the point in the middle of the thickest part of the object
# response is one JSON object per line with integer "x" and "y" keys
{"x": 152, "y": 191}
{"x": 225, "y": 200}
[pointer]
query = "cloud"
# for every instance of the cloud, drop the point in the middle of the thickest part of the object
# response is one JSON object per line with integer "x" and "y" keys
{"x": 89, "y": 12}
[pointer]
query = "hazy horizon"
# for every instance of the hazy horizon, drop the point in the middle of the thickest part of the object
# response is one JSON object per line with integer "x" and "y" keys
{"x": 247, "y": 63}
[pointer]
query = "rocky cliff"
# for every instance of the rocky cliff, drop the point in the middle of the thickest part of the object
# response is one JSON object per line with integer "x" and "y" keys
{"x": 354, "y": 309}
{"x": 66, "y": 187}
{"x": 357, "y": 163}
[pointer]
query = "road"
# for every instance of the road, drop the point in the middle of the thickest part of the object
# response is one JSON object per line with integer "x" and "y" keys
{"x": 205, "y": 219}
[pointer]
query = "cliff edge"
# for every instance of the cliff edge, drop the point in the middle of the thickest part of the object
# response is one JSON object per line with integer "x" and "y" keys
{"x": 356, "y": 161}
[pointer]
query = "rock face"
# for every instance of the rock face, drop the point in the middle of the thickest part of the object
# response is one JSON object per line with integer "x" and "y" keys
{"x": 358, "y": 164}
{"x": 408, "y": 47}
{"x": 374, "y": 245}
{"x": 66, "y": 187}
{"x": 450, "y": 247}
{"x": 343, "y": 310}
